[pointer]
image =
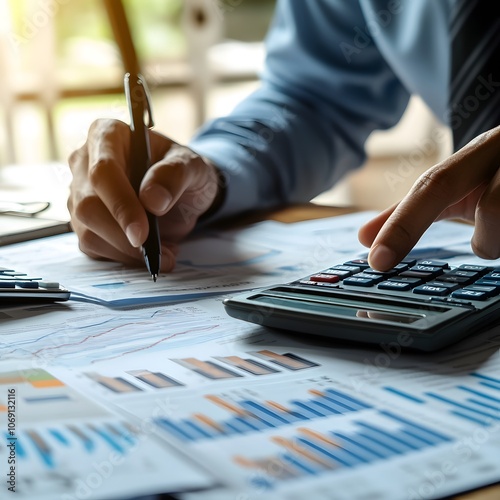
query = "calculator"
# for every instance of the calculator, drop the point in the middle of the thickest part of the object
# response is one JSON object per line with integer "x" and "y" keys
{"x": 19, "y": 288}
{"x": 419, "y": 304}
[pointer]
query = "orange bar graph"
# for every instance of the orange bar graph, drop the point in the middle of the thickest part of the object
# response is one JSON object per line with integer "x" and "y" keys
{"x": 115, "y": 384}
{"x": 35, "y": 377}
{"x": 209, "y": 422}
{"x": 207, "y": 369}
{"x": 43, "y": 384}
{"x": 277, "y": 406}
{"x": 227, "y": 405}
{"x": 248, "y": 365}
{"x": 272, "y": 466}
{"x": 317, "y": 435}
{"x": 289, "y": 361}
{"x": 300, "y": 450}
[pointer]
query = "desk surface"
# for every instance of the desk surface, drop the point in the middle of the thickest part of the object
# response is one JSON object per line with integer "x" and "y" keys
{"x": 311, "y": 211}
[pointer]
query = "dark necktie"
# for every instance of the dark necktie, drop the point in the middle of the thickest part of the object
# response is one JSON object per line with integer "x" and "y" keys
{"x": 475, "y": 69}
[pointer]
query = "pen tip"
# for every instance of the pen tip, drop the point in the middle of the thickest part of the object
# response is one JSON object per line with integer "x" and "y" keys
{"x": 155, "y": 277}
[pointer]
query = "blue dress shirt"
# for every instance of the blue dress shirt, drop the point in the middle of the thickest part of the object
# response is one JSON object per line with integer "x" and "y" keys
{"x": 335, "y": 71}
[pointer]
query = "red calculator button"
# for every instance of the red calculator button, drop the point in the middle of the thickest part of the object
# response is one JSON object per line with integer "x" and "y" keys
{"x": 325, "y": 278}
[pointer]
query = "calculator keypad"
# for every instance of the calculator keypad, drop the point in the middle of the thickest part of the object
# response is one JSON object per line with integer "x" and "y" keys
{"x": 423, "y": 278}
{"x": 17, "y": 286}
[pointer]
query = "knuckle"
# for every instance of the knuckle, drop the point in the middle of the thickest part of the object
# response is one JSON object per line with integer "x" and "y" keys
{"x": 86, "y": 207}
{"x": 77, "y": 156}
{"x": 98, "y": 170}
{"x": 434, "y": 182}
{"x": 121, "y": 211}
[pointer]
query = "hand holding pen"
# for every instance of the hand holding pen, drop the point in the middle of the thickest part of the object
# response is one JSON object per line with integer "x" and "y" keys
{"x": 109, "y": 214}
{"x": 139, "y": 105}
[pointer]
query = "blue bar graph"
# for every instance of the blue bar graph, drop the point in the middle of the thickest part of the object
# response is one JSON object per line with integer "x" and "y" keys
{"x": 404, "y": 394}
{"x": 310, "y": 452}
{"x": 487, "y": 378}
{"x": 175, "y": 429}
{"x": 468, "y": 409}
{"x": 43, "y": 449}
{"x": 50, "y": 446}
{"x": 251, "y": 415}
{"x": 336, "y": 454}
{"x": 197, "y": 430}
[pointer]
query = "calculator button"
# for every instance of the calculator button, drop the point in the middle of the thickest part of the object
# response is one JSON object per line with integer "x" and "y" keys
{"x": 48, "y": 284}
{"x": 327, "y": 278}
{"x": 469, "y": 294}
{"x": 434, "y": 263}
{"x": 469, "y": 275}
{"x": 409, "y": 262}
{"x": 27, "y": 284}
{"x": 401, "y": 286}
{"x": 491, "y": 291}
{"x": 337, "y": 272}
{"x": 384, "y": 274}
{"x": 350, "y": 269}
{"x": 359, "y": 280}
{"x": 406, "y": 279}
{"x": 7, "y": 284}
{"x": 362, "y": 263}
{"x": 401, "y": 267}
{"x": 451, "y": 278}
{"x": 475, "y": 269}
{"x": 488, "y": 282}
{"x": 495, "y": 275}
{"x": 417, "y": 274}
{"x": 450, "y": 286}
{"x": 433, "y": 271}
{"x": 432, "y": 290}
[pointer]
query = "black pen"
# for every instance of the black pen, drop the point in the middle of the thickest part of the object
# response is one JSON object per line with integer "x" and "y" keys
{"x": 138, "y": 100}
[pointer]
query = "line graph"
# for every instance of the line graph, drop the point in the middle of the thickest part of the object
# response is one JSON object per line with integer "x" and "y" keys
{"x": 113, "y": 335}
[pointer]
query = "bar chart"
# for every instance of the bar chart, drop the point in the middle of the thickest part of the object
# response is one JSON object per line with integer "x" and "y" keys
{"x": 50, "y": 445}
{"x": 254, "y": 414}
{"x": 44, "y": 396}
{"x": 119, "y": 385}
{"x": 216, "y": 368}
{"x": 476, "y": 400}
{"x": 215, "y": 371}
{"x": 310, "y": 452}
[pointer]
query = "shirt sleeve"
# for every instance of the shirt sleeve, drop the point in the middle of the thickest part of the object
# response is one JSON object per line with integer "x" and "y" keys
{"x": 324, "y": 89}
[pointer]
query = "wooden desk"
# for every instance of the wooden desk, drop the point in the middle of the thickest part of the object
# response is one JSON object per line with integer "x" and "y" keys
{"x": 310, "y": 211}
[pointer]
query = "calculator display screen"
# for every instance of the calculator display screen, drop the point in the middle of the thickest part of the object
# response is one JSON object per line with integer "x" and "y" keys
{"x": 392, "y": 312}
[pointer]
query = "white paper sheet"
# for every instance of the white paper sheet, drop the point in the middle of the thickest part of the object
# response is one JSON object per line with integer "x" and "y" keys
{"x": 278, "y": 420}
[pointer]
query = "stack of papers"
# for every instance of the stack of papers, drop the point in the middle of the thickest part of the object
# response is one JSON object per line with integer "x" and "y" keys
{"x": 134, "y": 387}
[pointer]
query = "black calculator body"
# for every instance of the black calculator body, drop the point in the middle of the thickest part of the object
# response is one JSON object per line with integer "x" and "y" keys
{"x": 422, "y": 305}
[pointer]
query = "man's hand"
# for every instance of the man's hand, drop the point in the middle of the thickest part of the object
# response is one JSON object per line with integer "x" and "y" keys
{"x": 466, "y": 186}
{"x": 106, "y": 214}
